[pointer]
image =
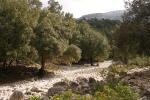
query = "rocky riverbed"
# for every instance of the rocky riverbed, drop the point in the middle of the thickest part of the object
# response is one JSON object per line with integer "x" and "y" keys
{"x": 40, "y": 87}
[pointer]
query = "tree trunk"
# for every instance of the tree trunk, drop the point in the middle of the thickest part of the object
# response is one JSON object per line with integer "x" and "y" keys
{"x": 91, "y": 61}
{"x": 4, "y": 63}
{"x": 10, "y": 63}
{"x": 41, "y": 70}
{"x": 126, "y": 60}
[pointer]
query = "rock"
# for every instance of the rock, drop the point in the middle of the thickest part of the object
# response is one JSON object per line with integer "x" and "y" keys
{"x": 28, "y": 93}
{"x": 147, "y": 92}
{"x": 126, "y": 80}
{"x": 61, "y": 84}
{"x": 44, "y": 98}
{"x": 55, "y": 90}
{"x": 92, "y": 80}
{"x": 17, "y": 95}
{"x": 35, "y": 89}
{"x": 85, "y": 85}
{"x": 82, "y": 80}
{"x": 136, "y": 89}
{"x": 123, "y": 74}
{"x": 84, "y": 88}
{"x": 144, "y": 98}
{"x": 73, "y": 85}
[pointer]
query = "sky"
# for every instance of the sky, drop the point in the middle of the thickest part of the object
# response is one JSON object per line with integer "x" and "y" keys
{"x": 83, "y": 7}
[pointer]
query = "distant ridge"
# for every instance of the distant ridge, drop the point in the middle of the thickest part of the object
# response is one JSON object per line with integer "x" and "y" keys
{"x": 112, "y": 15}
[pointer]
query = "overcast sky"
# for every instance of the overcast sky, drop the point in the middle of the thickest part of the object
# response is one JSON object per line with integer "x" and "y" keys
{"x": 82, "y": 7}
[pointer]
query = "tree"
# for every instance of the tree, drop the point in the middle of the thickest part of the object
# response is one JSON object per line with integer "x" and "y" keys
{"x": 94, "y": 45}
{"x": 17, "y": 20}
{"x": 132, "y": 38}
{"x": 46, "y": 39}
{"x": 72, "y": 54}
{"x": 54, "y": 7}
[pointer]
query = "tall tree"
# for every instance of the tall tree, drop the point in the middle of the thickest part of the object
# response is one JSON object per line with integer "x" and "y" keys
{"x": 46, "y": 39}
{"x": 17, "y": 20}
{"x": 54, "y": 6}
{"x": 133, "y": 36}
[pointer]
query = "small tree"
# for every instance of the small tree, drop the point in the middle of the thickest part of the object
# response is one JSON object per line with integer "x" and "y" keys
{"x": 93, "y": 45}
{"x": 72, "y": 54}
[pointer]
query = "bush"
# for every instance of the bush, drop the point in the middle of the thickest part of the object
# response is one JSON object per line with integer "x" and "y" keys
{"x": 34, "y": 98}
{"x": 117, "y": 92}
{"x": 106, "y": 92}
{"x": 72, "y": 54}
{"x": 140, "y": 61}
{"x": 66, "y": 96}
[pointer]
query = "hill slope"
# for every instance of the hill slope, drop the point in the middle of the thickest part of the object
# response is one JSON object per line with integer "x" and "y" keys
{"x": 113, "y": 15}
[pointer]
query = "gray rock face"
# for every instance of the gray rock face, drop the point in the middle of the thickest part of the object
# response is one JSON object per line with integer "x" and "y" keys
{"x": 17, "y": 95}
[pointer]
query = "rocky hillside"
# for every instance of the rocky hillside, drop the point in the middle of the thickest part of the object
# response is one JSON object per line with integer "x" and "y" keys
{"x": 113, "y": 15}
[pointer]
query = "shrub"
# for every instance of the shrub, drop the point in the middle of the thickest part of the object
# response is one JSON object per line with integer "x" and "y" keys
{"x": 105, "y": 92}
{"x": 140, "y": 61}
{"x": 65, "y": 96}
{"x": 116, "y": 92}
{"x": 34, "y": 98}
{"x": 72, "y": 54}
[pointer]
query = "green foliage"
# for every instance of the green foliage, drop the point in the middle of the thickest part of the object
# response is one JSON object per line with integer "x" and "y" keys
{"x": 34, "y": 98}
{"x": 106, "y": 92}
{"x": 139, "y": 61}
{"x": 29, "y": 32}
{"x": 65, "y": 96}
{"x": 17, "y": 20}
{"x": 104, "y": 26}
{"x": 72, "y": 54}
{"x": 94, "y": 45}
{"x": 132, "y": 38}
{"x": 118, "y": 69}
{"x": 118, "y": 92}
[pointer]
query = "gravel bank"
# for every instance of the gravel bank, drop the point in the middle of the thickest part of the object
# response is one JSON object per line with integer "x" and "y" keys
{"x": 44, "y": 84}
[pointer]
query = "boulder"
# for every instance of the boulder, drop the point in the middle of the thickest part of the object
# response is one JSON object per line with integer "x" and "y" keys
{"x": 55, "y": 90}
{"x": 144, "y": 98}
{"x": 61, "y": 84}
{"x": 35, "y": 89}
{"x": 84, "y": 88}
{"x": 92, "y": 80}
{"x": 147, "y": 92}
{"x": 17, "y": 95}
{"x": 73, "y": 85}
{"x": 28, "y": 93}
{"x": 136, "y": 89}
{"x": 81, "y": 80}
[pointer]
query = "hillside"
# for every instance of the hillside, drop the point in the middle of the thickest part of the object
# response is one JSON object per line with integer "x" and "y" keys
{"x": 113, "y": 15}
